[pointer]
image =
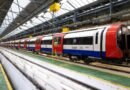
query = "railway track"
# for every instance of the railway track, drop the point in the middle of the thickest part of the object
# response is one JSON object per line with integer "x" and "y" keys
{"x": 113, "y": 67}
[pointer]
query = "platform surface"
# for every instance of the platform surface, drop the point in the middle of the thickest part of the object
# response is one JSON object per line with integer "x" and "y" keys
{"x": 108, "y": 77}
{"x": 3, "y": 85}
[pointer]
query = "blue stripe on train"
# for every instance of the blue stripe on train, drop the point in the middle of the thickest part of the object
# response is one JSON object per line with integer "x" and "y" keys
{"x": 74, "y": 52}
{"x": 83, "y": 53}
{"x": 22, "y": 46}
{"x": 31, "y": 48}
{"x": 46, "y": 49}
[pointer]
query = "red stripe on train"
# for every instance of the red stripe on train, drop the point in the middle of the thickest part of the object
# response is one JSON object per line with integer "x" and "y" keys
{"x": 112, "y": 50}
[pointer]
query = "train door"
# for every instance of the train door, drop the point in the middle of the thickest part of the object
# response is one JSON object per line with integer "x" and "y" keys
{"x": 19, "y": 44}
{"x": 96, "y": 43}
{"x": 38, "y": 44}
{"x": 58, "y": 43}
{"x": 25, "y": 44}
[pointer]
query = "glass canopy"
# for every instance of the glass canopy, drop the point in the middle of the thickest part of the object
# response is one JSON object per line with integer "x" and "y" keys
{"x": 66, "y": 6}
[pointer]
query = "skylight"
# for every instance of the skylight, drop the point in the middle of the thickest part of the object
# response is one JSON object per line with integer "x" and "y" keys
{"x": 66, "y": 6}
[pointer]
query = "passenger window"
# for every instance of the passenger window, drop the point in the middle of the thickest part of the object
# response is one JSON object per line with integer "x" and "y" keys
{"x": 68, "y": 41}
{"x": 86, "y": 40}
{"x": 57, "y": 40}
{"x": 47, "y": 42}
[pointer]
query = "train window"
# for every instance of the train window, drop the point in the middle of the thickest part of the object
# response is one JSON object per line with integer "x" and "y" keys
{"x": 86, "y": 40}
{"x": 57, "y": 40}
{"x": 21, "y": 42}
{"x": 96, "y": 40}
{"x": 121, "y": 39}
{"x": 31, "y": 42}
{"x": 47, "y": 42}
{"x": 75, "y": 41}
{"x": 38, "y": 41}
{"x": 79, "y": 41}
{"x": 25, "y": 42}
{"x": 68, "y": 41}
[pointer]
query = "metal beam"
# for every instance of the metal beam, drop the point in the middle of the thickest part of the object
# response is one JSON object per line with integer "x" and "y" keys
{"x": 33, "y": 11}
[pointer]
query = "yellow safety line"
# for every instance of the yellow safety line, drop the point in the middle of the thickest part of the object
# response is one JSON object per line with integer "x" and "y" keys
{"x": 6, "y": 78}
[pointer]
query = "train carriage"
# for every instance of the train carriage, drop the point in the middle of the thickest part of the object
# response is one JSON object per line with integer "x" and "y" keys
{"x": 11, "y": 44}
{"x": 105, "y": 42}
{"x": 31, "y": 44}
{"x": 22, "y": 43}
{"x": 17, "y": 44}
{"x": 25, "y": 43}
{"x": 46, "y": 44}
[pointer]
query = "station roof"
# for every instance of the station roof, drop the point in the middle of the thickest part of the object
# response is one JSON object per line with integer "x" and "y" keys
{"x": 37, "y": 12}
{"x": 34, "y": 17}
{"x": 4, "y": 7}
{"x": 23, "y": 10}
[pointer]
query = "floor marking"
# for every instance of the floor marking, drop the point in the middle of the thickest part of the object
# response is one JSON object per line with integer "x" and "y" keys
{"x": 6, "y": 78}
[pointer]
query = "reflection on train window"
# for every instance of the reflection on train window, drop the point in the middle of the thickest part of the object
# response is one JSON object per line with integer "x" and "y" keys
{"x": 57, "y": 40}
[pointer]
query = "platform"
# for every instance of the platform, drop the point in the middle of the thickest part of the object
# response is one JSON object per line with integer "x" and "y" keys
{"x": 4, "y": 82}
{"x": 99, "y": 75}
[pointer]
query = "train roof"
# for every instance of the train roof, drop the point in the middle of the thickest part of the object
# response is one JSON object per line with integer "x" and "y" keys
{"x": 89, "y": 29}
{"x": 22, "y": 40}
{"x": 17, "y": 40}
{"x": 49, "y": 37}
{"x": 33, "y": 39}
{"x": 79, "y": 34}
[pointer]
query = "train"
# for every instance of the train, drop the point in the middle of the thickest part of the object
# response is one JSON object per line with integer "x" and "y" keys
{"x": 104, "y": 43}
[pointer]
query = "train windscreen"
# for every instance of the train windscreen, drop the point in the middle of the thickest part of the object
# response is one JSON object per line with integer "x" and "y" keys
{"x": 128, "y": 41}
